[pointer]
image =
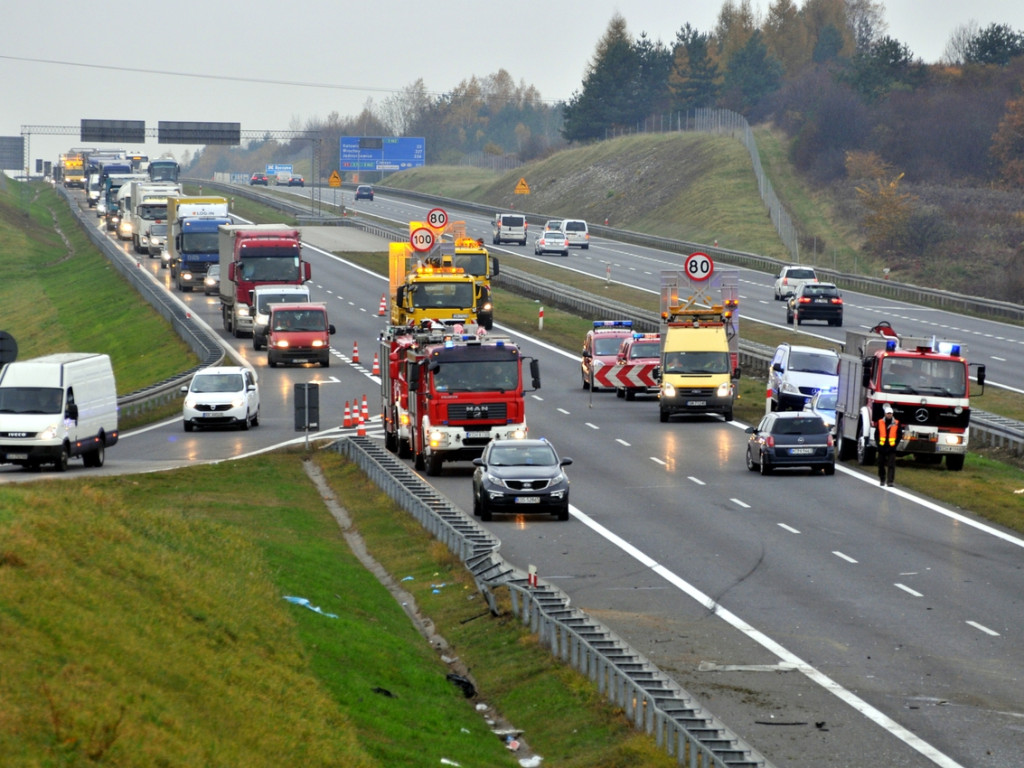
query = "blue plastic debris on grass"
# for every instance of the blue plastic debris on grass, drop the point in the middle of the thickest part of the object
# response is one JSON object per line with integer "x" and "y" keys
{"x": 304, "y": 602}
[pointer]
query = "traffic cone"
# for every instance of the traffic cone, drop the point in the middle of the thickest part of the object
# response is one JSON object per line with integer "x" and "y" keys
{"x": 376, "y": 365}
{"x": 355, "y": 351}
{"x": 383, "y": 306}
{"x": 348, "y": 417}
{"x": 361, "y": 430}
{"x": 366, "y": 410}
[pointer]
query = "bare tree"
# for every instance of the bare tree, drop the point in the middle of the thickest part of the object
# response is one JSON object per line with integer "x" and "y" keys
{"x": 955, "y": 52}
{"x": 867, "y": 22}
{"x": 401, "y": 110}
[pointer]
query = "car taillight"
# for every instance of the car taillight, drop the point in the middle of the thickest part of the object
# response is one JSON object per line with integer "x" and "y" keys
{"x": 828, "y": 440}
{"x": 770, "y": 442}
{"x": 805, "y": 300}
{"x": 837, "y": 301}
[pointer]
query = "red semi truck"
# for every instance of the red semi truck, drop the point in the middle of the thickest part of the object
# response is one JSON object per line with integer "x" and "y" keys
{"x": 251, "y": 255}
{"x": 445, "y": 395}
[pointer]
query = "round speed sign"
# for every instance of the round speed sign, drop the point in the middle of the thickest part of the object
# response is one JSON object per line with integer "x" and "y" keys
{"x": 437, "y": 218}
{"x": 699, "y": 266}
{"x": 421, "y": 239}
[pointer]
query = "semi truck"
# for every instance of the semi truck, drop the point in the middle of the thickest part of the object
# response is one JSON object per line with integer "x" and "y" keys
{"x": 445, "y": 395}
{"x": 164, "y": 169}
{"x": 252, "y": 255}
{"x": 925, "y": 380}
{"x": 148, "y": 207}
{"x": 192, "y": 237}
{"x": 72, "y": 170}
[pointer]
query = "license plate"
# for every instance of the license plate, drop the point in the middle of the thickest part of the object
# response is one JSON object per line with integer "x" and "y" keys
{"x": 693, "y": 403}
{"x": 300, "y": 360}
{"x": 478, "y": 434}
{"x": 527, "y": 500}
{"x": 209, "y": 414}
{"x": 17, "y": 456}
{"x": 800, "y": 451}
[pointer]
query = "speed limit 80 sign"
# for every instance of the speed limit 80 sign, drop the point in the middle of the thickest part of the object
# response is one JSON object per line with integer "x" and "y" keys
{"x": 698, "y": 266}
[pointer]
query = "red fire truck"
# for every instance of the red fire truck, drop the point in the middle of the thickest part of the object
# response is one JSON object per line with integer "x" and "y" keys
{"x": 445, "y": 394}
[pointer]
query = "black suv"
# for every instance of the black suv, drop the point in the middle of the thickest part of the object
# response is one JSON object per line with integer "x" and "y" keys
{"x": 816, "y": 301}
{"x": 520, "y": 477}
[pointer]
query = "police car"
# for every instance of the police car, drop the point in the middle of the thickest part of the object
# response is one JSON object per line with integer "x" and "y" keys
{"x": 639, "y": 355}
{"x": 601, "y": 347}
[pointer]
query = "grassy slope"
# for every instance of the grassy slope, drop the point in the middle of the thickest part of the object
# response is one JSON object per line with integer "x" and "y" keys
{"x": 62, "y": 295}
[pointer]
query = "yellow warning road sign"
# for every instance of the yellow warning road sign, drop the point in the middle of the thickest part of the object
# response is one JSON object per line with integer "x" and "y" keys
{"x": 334, "y": 180}
{"x": 522, "y": 188}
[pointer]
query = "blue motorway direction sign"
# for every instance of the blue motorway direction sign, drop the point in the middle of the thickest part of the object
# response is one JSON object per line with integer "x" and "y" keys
{"x": 381, "y": 153}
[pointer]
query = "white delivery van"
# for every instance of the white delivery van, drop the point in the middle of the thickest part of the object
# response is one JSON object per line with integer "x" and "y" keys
{"x": 265, "y": 295}
{"x": 509, "y": 227}
{"x": 577, "y": 232}
{"x": 55, "y": 407}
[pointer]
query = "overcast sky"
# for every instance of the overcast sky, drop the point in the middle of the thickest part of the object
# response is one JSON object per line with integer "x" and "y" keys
{"x": 274, "y": 65}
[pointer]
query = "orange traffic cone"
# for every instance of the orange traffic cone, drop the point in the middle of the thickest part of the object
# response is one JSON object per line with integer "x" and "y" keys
{"x": 355, "y": 351}
{"x": 376, "y": 365}
{"x": 366, "y": 410}
{"x": 348, "y": 417}
{"x": 383, "y": 306}
{"x": 361, "y": 431}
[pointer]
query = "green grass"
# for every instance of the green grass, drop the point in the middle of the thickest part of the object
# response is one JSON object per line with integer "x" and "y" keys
{"x": 67, "y": 297}
{"x": 143, "y": 623}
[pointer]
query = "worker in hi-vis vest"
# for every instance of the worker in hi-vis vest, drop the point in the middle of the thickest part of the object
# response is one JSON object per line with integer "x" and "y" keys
{"x": 888, "y": 434}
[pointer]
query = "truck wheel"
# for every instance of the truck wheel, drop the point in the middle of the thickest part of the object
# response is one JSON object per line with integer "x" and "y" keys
{"x": 434, "y": 465}
{"x": 95, "y": 458}
{"x": 256, "y": 342}
{"x": 955, "y": 462}
{"x": 663, "y": 416}
{"x": 325, "y": 362}
{"x": 843, "y": 446}
{"x": 61, "y": 462}
{"x": 865, "y": 453}
{"x": 391, "y": 442}
{"x": 271, "y": 362}
{"x": 727, "y": 415}
{"x": 404, "y": 449}
{"x": 418, "y": 462}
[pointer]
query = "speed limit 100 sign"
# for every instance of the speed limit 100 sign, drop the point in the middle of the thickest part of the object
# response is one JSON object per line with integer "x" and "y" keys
{"x": 699, "y": 266}
{"x": 421, "y": 239}
{"x": 437, "y": 218}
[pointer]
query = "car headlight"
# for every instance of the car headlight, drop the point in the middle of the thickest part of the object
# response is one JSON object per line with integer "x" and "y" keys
{"x": 49, "y": 433}
{"x": 318, "y": 343}
{"x": 238, "y": 401}
{"x": 668, "y": 390}
{"x": 190, "y": 402}
{"x": 281, "y": 343}
{"x": 790, "y": 388}
{"x": 243, "y": 310}
{"x": 518, "y": 433}
{"x": 724, "y": 389}
{"x": 186, "y": 275}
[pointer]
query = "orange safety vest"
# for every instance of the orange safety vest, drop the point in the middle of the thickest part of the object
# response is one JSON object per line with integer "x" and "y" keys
{"x": 887, "y": 439}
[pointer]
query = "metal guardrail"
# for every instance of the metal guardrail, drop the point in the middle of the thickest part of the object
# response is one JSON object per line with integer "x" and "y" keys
{"x": 653, "y": 701}
{"x": 206, "y": 346}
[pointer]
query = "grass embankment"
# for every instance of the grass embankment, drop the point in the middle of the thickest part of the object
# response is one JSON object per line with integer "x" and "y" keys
{"x": 144, "y": 624}
{"x": 59, "y": 293}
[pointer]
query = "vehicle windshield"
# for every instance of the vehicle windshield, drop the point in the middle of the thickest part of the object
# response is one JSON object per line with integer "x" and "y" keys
{"x": 522, "y": 456}
{"x": 800, "y": 274}
{"x": 266, "y": 299}
{"x": 645, "y": 349}
{"x": 696, "y": 363}
{"x": 30, "y": 399}
{"x": 471, "y": 263}
{"x": 607, "y": 345}
{"x": 298, "y": 320}
{"x": 158, "y": 229}
{"x": 274, "y": 266}
{"x": 924, "y": 376}
{"x": 496, "y": 376}
{"x": 814, "y": 362}
{"x": 442, "y": 295}
{"x": 153, "y": 212}
{"x": 218, "y": 382}
{"x": 199, "y": 242}
{"x": 803, "y": 425}
{"x": 826, "y": 402}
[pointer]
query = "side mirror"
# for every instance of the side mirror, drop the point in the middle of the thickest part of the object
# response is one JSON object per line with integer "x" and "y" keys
{"x": 981, "y": 375}
{"x": 736, "y": 372}
{"x": 495, "y": 272}
{"x": 72, "y": 411}
{"x": 565, "y": 462}
{"x": 777, "y": 367}
{"x": 331, "y": 330}
{"x": 535, "y": 373}
{"x": 478, "y": 462}
{"x": 656, "y": 373}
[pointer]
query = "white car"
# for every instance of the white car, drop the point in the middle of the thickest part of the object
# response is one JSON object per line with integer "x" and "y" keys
{"x": 222, "y": 396}
{"x": 791, "y": 278}
{"x": 551, "y": 242}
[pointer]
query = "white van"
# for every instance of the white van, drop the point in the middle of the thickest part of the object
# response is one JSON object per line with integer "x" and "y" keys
{"x": 577, "y": 232}
{"x": 509, "y": 227}
{"x": 55, "y": 407}
{"x": 265, "y": 295}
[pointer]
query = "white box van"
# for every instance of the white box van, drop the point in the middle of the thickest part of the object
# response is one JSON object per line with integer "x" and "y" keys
{"x": 509, "y": 227}
{"x": 265, "y": 295}
{"x": 577, "y": 232}
{"x": 55, "y": 407}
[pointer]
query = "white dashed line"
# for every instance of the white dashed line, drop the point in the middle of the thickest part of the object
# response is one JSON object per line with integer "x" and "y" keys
{"x": 620, "y": 441}
{"x": 739, "y": 503}
{"x": 789, "y": 528}
{"x": 840, "y": 555}
{"x": 983, "y": 628}
{"x": 908, "y": 590}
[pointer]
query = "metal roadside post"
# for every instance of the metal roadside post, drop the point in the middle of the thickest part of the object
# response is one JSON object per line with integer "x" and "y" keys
{"x": 307, "y": 408}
